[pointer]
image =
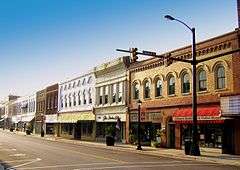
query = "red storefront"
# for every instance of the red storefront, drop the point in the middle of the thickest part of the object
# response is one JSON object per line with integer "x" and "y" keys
{"x": 210, "y": 126}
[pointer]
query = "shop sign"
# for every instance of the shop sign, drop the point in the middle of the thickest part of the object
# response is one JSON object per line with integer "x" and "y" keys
{"x": 230, "y": 105}
{"x": 147, "y": 117}
{"x": 74, "y": 117}
{"x": 27, "y": 117}
{"x": 51, "y": 118}
{"x": 198, "y": 118}
{"x": 111, "y": 117}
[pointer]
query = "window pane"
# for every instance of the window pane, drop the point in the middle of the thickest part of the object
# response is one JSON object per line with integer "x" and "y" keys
{"x": 171, "y": 85}
{"x": 159, "y": 88}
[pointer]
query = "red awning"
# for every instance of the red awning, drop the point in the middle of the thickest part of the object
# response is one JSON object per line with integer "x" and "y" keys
{"x": 204, "y": 115}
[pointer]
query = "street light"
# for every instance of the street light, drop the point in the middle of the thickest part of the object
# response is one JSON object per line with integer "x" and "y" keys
{"x": 139, "y": 102}
{"x": 195, "y": 147}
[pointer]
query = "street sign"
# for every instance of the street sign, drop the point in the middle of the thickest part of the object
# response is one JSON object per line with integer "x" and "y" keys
{"x": 150, "y": 53}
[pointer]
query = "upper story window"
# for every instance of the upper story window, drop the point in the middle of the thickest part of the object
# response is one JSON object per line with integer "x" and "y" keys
{"x": 90, "y": 96}
{"x": 185, "y": 83}
{"x": 202, "y": 80}
{"x": 70, "y": 100}
{"x": 114, "y": 93}
{"x": 55, "y": 101}
{"x": 101, "y": 95}
{"x": 84, "y": 82}
{"x": 74, "y": 99}
{"x": 65, "y": 98}
{"x": 147, "y": 89}
{"x": 171, "y": 85}
{"x": 90, "y": 80}
{"x": 84, "y": 97}
{"x": 158, "y": 88}
{"x": 106, "y": 95}
{"x": 79, "y": 83}
{"x": 74, "y": 84}
{"x": 61, "y": 88}
{"x": 61, "y": 100}
{"x": 220, "y": 77}
{"x": 120, "y": 92}
{"x": 69, "y": 86}
{"x": 136, "y": 88}
{"x": 79, "y": 98}
{"x": 65, "y": 87}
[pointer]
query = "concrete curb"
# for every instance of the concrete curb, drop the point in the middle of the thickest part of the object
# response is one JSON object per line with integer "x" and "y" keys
{"x": 131, "y": 148}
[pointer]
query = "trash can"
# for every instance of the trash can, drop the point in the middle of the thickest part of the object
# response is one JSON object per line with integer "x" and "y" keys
{"x": 110, "y": 141}
{"x": 187, "y": 145}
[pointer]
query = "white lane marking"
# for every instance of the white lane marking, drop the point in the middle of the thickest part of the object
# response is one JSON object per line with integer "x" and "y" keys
{"x": 27, "y": 163}
{"x": 100, "y": 163}
{"x": 7, "y": 149}
{"x": 21, "y": 160}
{"x": 18, "y": 154}
{"x": 142, "y": 166}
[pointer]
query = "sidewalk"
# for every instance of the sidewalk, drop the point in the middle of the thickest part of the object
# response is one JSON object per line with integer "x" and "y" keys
{"x": 207, "y": 154}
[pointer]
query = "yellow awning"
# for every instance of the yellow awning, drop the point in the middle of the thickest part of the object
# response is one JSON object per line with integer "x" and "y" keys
{"x": 74, "y": 117}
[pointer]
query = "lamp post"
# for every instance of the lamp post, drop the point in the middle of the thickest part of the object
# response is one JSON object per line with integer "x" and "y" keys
{"x": 139, "y": 102}
{"x": 195, "y": 147}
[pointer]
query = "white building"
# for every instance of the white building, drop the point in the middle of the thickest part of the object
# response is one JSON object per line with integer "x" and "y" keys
{"x": 76, "y": 99}
{"x": 111, "y": 96}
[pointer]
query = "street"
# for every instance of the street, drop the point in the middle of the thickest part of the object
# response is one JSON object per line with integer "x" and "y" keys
{"x": 23, "y": 152}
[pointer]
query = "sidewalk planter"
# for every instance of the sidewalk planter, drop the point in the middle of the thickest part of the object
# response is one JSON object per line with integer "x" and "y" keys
{"x": 28, "y": 132}
{"x": 110, "y": 141}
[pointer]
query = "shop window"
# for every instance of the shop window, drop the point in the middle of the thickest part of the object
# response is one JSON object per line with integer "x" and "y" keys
{"x": 220, "y": 77}
{"x": 171, "y": 85}
{"x": 120, "y": 92}
{"x": 158, "y": 88}
{"x": 202, "y": 80}
{"x": 114, "y": 93}
{"x": 185, "y": 83}
{"x": 136, "y": 88}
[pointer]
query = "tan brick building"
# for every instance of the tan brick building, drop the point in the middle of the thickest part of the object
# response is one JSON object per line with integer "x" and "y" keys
{"x": 166, "y": 93}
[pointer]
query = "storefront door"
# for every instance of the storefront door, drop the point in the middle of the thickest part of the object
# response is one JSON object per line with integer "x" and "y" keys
{"x": 77, "y": 134}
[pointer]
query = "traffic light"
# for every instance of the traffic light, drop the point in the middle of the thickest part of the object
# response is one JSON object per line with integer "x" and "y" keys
{"x": 134, "y": 56}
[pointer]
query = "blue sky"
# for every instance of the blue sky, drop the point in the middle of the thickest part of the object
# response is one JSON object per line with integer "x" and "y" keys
{"x": 46, "y": 41}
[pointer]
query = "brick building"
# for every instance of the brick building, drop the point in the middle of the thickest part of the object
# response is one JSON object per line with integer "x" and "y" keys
{"x": 166, "y": 93}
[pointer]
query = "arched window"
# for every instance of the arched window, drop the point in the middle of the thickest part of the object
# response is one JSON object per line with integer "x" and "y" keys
{"x": 65, "y": 88}
{"x": 74, "y": 84}
{"x": 79, "y": 83}
{"x": 84, "y": 82}
{"x": 90, "y": 96}
{"x": 70, "y": 100}
{"x": 65, "y": 98}
{"x": 69, "y": 86}
{"x": 158, "y": 88}
{"x": 84, "y": 97}
{"x": 79, "y": 98}
{"x": 220, "y": 77}
{"x": 74, "y": 99}
{"x": 171, "y": 85}
{"x": 185, "y": 83}
{"x": 90, "y": 80}
{"x": 202, "y": 80}
{"x": 147, "y": 89}
{"x": 136, "y": 87}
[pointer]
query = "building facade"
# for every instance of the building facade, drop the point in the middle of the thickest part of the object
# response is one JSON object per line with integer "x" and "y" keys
{"x": 51, "y": 122}
{"x": 75, "y": 107}
{"x": 166, "y": 97}
{"x": 111, "y": 98}
{"x": 39, "y": 125}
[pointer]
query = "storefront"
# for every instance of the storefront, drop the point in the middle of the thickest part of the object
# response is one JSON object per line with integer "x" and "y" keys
{"x": 108, "y": 122}
{"x": 51, "y": 124}
{"x": 151, "y": 124}
{"x": 210, "y": 126}
{"x": 78, "y": 125}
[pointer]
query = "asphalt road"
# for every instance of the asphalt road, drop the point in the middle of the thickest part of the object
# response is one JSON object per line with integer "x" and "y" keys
{"x": 23, "y": 152}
